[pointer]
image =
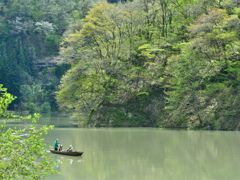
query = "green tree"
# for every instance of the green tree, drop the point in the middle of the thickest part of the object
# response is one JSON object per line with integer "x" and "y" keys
{"x": 32, "y": 108}
{"x": 45, "y": 107}
{"x": 187, "y": 83}
{"x": 203, "y": 87}
{"x": 22, "y": 153}
{"x": 30, "y": 31}
{"x": 123, "y": 56}
{"x": 109, "y": 60}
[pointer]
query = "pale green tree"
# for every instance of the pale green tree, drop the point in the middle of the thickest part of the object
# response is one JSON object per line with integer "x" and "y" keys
{"x": 22, "y": 151}
{"x": 110, "y": 61}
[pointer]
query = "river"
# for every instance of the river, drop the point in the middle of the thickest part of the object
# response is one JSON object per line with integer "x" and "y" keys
{"x": 143, "y": 153}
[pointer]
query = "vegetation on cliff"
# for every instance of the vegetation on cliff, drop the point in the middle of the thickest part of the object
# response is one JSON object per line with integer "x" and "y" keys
{"x": 30, "y": 34}
{"x": 155, "y": 63}
{"x": 125, "y": 63}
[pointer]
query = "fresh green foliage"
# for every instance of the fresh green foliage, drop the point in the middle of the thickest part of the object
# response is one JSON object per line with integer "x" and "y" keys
{"x": 134, "y": 63}
{"x": 203, "y": 86}
{"x": 173, "y": 62}
{"x": 32, "y": 108}
{"x": 45, "y": 107}
{"x": 109, "y": 66}
{"x": 22, "y": 153}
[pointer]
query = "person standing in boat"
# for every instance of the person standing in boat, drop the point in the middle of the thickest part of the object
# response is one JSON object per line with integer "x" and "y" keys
{"x": 70, "y": 149}
{"x": 56, "y": 145}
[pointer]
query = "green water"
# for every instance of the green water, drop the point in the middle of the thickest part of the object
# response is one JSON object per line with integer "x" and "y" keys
{"x": 143, "y": 153}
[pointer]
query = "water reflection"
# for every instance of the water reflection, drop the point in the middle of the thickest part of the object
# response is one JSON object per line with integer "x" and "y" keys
{"x": 142, "y": 153}
{"x": 60, "y": 160}
{"x": 59, "y": 120}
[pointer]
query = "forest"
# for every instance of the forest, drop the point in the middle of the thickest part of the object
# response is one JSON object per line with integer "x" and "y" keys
{"x": 30, "y": 33}
{"x": 140, "y": 63}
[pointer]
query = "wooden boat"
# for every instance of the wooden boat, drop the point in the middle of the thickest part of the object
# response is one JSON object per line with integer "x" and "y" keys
{"x": 74, "y": 153}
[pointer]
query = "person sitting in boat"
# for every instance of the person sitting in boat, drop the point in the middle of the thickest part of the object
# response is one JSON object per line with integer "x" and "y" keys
{"x": 61, "y": 147}
{"x": 70, "y": 149}
{"x": 56, "y": 145}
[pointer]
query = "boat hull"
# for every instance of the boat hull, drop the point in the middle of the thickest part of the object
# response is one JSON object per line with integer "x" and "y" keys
{"x": 74, "y": 153}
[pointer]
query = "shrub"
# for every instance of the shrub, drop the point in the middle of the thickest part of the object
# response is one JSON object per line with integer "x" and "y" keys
{"x": 45, "y": 107}
{"x": 32, "y": 108}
